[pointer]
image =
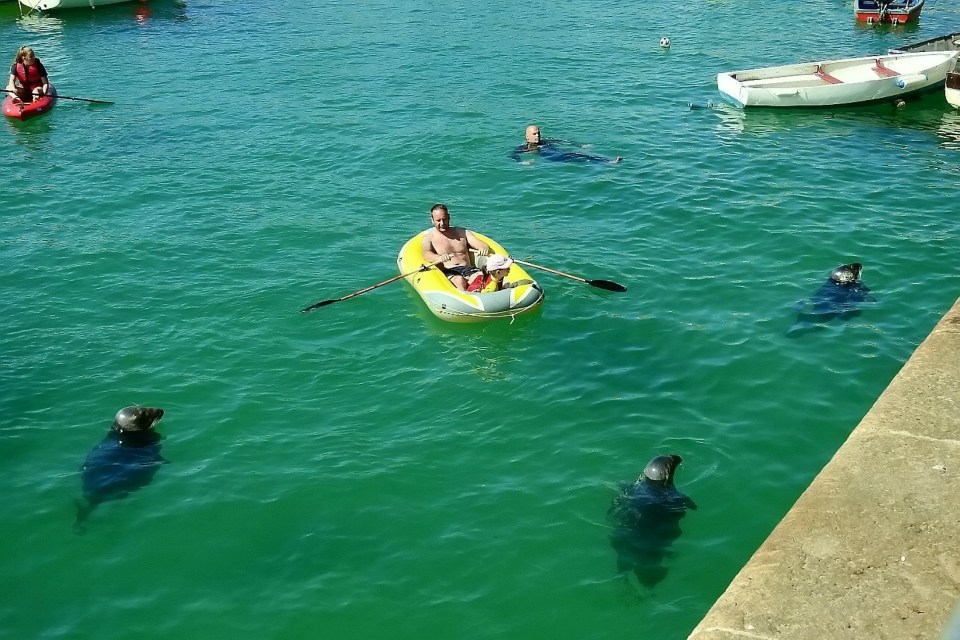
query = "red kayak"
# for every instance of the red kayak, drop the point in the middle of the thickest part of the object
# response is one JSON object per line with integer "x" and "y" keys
{"x": 13, "y": 108}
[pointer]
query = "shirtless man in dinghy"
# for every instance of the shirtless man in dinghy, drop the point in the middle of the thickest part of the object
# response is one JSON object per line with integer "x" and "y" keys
{"x": 452, "y": 246}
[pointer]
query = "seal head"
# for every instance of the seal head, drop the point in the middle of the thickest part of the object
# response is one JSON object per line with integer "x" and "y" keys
{"x": 661, "y": 469}
{"x": 136, "y": 418}
{"x": 847, "y": 274}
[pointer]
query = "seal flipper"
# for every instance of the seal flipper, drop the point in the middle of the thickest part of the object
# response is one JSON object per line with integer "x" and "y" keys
{"x": 84, "y": 509}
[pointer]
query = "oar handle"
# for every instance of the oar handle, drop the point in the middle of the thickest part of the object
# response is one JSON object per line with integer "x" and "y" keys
{"x": 536, "y": 266}
{"x": 323, "y": 303}
{"x": 549, "y": 270}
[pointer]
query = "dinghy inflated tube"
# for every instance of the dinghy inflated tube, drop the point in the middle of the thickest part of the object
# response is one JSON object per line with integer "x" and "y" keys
{"x": 911, "y": 80}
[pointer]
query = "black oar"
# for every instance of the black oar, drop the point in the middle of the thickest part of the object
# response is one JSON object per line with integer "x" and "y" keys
{"x": 600, "y": 284}
{"x": 58, "y": 96}
{"x": 84, "y": 99}
{"x": 324, "y": 303}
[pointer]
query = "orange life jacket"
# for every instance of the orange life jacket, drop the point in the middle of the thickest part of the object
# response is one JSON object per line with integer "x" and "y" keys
{"x": 484, "y": 284}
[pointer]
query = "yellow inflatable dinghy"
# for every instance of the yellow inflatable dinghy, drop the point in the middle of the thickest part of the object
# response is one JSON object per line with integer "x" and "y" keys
{"x": 449, "y": 303}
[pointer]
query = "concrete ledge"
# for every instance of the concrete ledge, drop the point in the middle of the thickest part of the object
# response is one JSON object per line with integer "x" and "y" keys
{"x": 872, "y": 548}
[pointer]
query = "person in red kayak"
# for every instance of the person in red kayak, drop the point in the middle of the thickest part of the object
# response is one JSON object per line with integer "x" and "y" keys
{"x": 28, "y": 77}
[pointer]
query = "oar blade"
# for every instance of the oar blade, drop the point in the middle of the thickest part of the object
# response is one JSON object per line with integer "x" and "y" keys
{"x": 607, "y": 285}
{"x": 317, "y": 305}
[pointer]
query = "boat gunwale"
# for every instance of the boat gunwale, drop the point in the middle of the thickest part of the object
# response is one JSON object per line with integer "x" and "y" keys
{"x": 810, "y": 68}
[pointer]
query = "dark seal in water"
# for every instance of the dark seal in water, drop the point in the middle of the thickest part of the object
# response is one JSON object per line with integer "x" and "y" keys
{"x": 126, "y": 459}
{"x": 839, "y": 297}
{"x": 646, "y": 520}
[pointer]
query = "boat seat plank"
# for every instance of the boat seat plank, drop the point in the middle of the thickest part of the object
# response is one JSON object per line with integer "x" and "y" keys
{"x": 826, "y": 77}
{"x": 884, "y": 70}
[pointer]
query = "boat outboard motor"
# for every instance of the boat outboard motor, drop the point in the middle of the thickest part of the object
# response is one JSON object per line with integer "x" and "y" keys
{"x": 884, "y": 10}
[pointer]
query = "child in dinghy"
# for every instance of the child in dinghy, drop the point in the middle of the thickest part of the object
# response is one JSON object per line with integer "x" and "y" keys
{"x": 491, "y": 275}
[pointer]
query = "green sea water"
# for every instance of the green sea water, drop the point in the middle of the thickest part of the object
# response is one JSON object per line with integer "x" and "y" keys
{"x": 369, "y": 471}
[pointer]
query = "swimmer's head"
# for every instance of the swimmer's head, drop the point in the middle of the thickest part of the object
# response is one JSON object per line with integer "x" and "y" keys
{"x": 533, "y": 134}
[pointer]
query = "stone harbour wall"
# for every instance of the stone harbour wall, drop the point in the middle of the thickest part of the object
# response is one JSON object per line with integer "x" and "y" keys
{"x": 871, "y": 550}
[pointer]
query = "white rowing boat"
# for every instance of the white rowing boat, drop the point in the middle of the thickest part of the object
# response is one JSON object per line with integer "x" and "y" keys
{"x": 51, "y": 5}
{"x": 837, "y": 82}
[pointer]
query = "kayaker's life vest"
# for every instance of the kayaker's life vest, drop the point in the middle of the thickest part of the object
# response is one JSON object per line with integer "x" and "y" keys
{"x": 29, "y": 77}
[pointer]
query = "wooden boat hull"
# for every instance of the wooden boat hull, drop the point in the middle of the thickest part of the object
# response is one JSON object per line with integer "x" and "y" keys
{"x": 837, "y": 82}
{"x": 952, "y": 89}
{"x": 889, "y": 12}
{"x": 52, "y": 5}
{"x": 18, "y": 111}
{"x": 449, "y": 303}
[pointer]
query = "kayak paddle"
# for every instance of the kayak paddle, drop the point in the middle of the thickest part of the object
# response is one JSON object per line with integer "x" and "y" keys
{"x": 70, "y": 98}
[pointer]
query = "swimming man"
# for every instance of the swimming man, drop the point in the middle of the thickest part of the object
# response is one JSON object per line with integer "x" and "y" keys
{"x": 548, "y": 149}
